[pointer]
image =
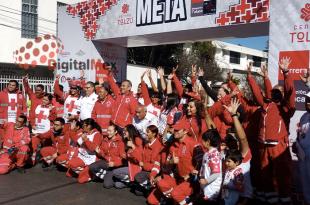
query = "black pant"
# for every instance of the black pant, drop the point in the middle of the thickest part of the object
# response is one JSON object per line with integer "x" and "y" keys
{"x": 101, "y": 170}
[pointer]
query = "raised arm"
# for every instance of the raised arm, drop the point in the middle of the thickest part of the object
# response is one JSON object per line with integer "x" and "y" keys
{"x": 57, "y": 90}
{"x": 161, "y": 74}
{"x": 289, "y": 88}
{"x": 115, "y": 89}
{"x": 232, "y": 109}
{"x": 255, "y": 88}
{"x": 206, "y": 87}
{"x": 154, "y": 87}
{"x": 169, "y": 84}
{"x": 178, "y": 85}
{"x": 27, "y": 87}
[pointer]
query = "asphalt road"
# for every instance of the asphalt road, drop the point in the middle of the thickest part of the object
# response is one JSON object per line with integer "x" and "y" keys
{"x": 53, "y": 187}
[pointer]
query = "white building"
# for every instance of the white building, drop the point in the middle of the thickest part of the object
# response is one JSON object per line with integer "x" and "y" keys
{"x": 236, "y": 58}
{"x": 21, "y": 21}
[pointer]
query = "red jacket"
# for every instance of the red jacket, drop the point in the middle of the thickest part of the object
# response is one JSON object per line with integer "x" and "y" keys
{"x": 151, "y": 157}
{"x": 180, "y": 90}
{"x": 5, "y": 104}
{"x": 221, "y": 116}
{"x": 125, "y": 105}
{"x": 15, "y": 137}
{"x": 113, "y": 150}
{"x": 61, "y": 142}
{"x": 194, "y": 128}
{"x": 102, "y": 113}
{"x": 287, "y": 106}
{"x": 59, "y": 107}
{"x": 134, "y": 156}
{"x": 184, "y": 150}
{"x": 272, "y": 126}
{"x": 34, "y": 102}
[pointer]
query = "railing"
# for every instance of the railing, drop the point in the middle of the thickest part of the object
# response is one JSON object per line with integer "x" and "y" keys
{"x": 33, "y": 81}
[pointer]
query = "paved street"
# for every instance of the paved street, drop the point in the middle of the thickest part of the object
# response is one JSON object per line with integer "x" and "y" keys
{"x": 53, "y": 187}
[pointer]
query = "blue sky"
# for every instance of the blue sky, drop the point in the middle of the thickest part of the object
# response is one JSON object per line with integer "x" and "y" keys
{"x": 253, "y": 42}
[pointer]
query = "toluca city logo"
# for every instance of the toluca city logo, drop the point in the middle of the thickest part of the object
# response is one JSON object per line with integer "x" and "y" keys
{"x": 157, "y": 11}
{"x": 305, "y": 12}
{"x": 125, "y": 17}
{"x": 125, "y": 8}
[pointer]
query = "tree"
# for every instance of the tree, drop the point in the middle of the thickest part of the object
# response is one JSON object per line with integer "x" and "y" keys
{"x": 154, "y": 56}
{"x": 203, "y": 55}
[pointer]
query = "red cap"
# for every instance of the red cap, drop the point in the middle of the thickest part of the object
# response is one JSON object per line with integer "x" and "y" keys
{"x": 181, "y": 124}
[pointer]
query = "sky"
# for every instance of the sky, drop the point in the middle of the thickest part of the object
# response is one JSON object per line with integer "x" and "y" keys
{"x": 253, "y": 42}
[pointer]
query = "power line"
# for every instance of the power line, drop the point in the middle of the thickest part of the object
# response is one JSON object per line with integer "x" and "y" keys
{"x": 40, "y": 18}
{"x": 17, "y": 28}
{"x": 18, "y": 21}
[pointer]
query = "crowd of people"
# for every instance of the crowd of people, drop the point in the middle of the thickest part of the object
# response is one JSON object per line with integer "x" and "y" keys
{"x": 165, "y": 143}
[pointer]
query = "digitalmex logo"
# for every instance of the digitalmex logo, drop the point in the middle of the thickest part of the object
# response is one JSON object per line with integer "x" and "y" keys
{"x": 125, "y": 8}
{"x": 305, "y": 12}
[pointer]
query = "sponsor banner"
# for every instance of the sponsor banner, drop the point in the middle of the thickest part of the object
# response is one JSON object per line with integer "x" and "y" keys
{"x": 82, "y": 58}
{"x": 104, "y": 19}
{"x": 289, "y": 37}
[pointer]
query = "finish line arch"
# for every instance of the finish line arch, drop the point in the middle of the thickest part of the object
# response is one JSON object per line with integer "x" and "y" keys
{"x": 102, "y": 30}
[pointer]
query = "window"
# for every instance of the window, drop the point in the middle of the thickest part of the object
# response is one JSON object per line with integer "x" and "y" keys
{"x": 29, "y": 18}
{"x": 234, "y": 57}
{"x": 257, "y": 61}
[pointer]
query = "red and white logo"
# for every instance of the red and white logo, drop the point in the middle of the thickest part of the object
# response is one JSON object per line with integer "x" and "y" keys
{"x": 125, "y": 8}
{"x": 305, "y": 12}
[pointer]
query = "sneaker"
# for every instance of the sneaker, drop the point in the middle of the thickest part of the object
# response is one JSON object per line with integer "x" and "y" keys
{"x": 119, "y": 185}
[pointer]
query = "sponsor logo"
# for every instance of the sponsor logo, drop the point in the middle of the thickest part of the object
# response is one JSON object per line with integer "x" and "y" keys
{"x": 305, "y": 12}
{"x": 125, "y": 17}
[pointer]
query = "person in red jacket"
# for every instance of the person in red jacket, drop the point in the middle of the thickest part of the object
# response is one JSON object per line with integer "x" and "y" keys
{"x": 103, "y": 109}
{"x": 12, "y": 104}
{"x": 14, "y": 153}
{"x": 125, "y": 103}
{"x": 274, "y": 152}
{"x": 45, "y": 114}
{"x": 71, "y": 107}
{"x": 112, "y": 152}
{"x": 195, "y": 120}
{"x": 181, "y": 153}
{"x": 35, "y": 98}
{"x": 87, "y": 141}
{"x": 150, "y": 163}
{"x": 60, "y": 143}
{"x": 134, "y": 148}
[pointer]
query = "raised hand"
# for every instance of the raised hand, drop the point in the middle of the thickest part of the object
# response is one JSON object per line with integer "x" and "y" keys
{"x": 160, "y": 71}
{"x": 229, "y": 76}
{"x": 264, "y": 70}
{"x": 148, "y": 73}
{"x": 170, "y": 76}
{"x": 284, "y": 64}
{"x": 174, "y": 69}
{"x": 249, "y": 68}
{"x": 200, "y": 72}
{"x": 194, "y": 70}
{"x": 142, "y": 76}
{"x": 233, "y": 107}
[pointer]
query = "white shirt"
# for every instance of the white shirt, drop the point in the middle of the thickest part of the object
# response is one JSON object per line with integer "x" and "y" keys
{"x": 141, "y": 125}
{"x": 72, "y": 106}
{"x": 87, "y": 105}
{"x": 12, "y": 108}
{"x": 42, "y": 123}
